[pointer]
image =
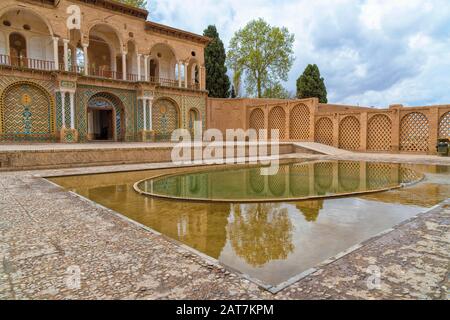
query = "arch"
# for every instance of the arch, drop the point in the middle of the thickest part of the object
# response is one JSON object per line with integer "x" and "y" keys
{"x": 414, "y": 132}
{"x": 18, "y": 49}
{"x": 444, "y": 125}
{"x": 27, "y": 112}
{"x": 350, "y": 133}
{"x": 256, "y": 120}
{"x": 15, "y": 9}
{"x": 156, "y": 45}
{"x": 193, "y": 73}
{"x": 167, "y": 60}
{"x": 97, "y": 24}
{"x": 3, "y": 41}
{"x": 277, "y": 121}
{"x": 299, "y": 119}
{"x": 114, "y": 121}
{"x": 379, "y": 133}
{"x": 323, "y": 132}
{"x": 104, "y": 51}
{"x": 165, "y": 117}
{"x": 193, "y": 116}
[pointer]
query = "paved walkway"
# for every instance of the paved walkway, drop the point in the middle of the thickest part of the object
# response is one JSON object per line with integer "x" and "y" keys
{"x": 47, "y": 235}
{"x": 322, "y": 148}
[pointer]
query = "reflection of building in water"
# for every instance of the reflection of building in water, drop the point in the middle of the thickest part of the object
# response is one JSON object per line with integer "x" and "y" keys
{"x": 310, "y": 209}
{"x": 260, "y": 233}
{"x": 292, "y": 180}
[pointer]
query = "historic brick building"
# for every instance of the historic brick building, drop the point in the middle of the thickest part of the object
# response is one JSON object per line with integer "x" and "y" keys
{"x": 84, "y": 70}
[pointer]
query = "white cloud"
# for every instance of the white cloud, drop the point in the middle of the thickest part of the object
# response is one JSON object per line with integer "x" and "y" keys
{"x": 370, "y": 52}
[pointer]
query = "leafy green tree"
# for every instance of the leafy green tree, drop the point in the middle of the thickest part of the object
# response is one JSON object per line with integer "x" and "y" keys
{"x": 276, "y": 91}
{"x": 263, "y": 53}
{"x": 237, "y": 82}
{"x": 217, "y": 81}
{"x": 135, "y": 3}
{"x": 311, "y": 85}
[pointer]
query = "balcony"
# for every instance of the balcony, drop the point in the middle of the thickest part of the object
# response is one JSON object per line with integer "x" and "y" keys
{"x": 42, "y": 65}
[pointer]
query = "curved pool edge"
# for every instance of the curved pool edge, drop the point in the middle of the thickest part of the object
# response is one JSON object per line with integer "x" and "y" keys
{"x": 271, "y": 200}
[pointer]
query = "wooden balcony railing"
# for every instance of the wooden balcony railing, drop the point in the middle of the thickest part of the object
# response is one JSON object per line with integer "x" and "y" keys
{"x": 37, "y": 64}
{"x": 22, "y": 62}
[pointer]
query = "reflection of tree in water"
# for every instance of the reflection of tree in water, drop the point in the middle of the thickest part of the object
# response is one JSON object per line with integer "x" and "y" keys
{"x": 310, "y": 209}
{"x": 260, "y": 233}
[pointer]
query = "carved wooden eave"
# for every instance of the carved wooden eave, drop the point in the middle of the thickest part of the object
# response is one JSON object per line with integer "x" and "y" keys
{"x": 117, "y": 7}
{"x": 173, "y": 32}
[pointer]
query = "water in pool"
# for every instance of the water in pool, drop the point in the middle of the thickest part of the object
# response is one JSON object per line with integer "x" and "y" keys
{"x": 276, "y": 240}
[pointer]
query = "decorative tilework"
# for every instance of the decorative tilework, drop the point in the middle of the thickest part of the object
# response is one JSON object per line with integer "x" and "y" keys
{"x": 26, "y": 113}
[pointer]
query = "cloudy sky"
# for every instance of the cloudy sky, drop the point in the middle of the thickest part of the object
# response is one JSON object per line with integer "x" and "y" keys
{"x": 370, "y": 52}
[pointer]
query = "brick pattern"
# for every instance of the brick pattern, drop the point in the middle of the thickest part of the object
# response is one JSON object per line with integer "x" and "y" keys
{"x": 299, "y": 122}
{"x": 256, "y": 120}
{"x": 277, "y": 120}
{"x": 444, "y": 125}
{"x": 379, "y": 133}
{"x": 414, "y": 132}
{"x": 349, "y": 133}
{"x": 324, "y": 131}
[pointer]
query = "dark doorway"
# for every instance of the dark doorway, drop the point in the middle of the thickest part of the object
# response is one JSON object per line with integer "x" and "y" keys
{"x": 103, "y": 127}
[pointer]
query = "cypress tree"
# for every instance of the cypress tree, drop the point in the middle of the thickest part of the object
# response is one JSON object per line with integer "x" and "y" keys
{"x": 217, "y": 81}
{"x": 233, "y": 92}
{"x": 311, "y": 85}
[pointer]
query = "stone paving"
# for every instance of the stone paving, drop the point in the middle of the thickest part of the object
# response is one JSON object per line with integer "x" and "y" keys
{"x": 48, "y": 234}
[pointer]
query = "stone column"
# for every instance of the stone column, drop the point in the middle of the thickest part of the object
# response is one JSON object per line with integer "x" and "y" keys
{"x": 55, "y": 53}
{"x": 63, "y": 108}
{"x": 146, "y": 67}
{"x": 139, "y": 66}
{"x": 144, "y": 112}
{"x": 124, "y": 66}
{"x": 179, "y": 73}
{"x": 200, "y": 77}
{"x": 433, "y": 122}
{"x": 66, "y": 54}
{"x": 86, "y": 59}
{"x": 185, "y": 75}
{"x": 150, "y": 113}
{"x": 336, "y": 120}
{"x": 72, "y": 110}
{"x": 363, "y": 123}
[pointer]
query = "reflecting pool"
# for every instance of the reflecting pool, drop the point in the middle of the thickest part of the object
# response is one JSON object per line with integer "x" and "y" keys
{"x": 274, "y": 241}
{"x": 293, "y": 181}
